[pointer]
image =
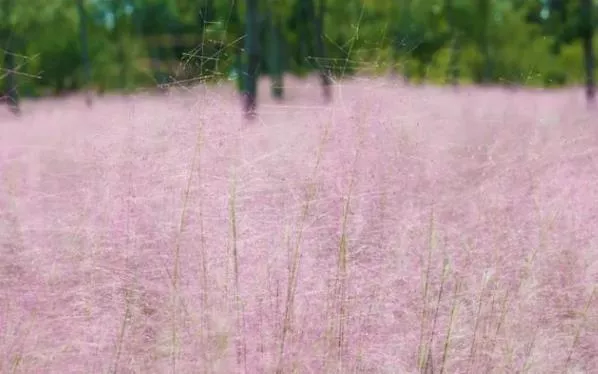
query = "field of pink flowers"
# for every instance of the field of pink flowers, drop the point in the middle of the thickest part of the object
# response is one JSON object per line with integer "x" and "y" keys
{"x": 396, "y": 230}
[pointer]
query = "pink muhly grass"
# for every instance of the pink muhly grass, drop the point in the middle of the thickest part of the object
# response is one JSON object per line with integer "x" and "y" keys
{"x": 395, "y": 230}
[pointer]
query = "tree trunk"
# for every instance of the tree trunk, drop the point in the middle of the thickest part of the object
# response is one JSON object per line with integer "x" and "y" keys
{"x": 276, "y": 56}
{"x": 452, "y": 74}
{"x": 235, "y": 29}
{"x": 484, "y": 40}
{"x": 206, "y": 13}
{"x": 305, "y": 19}
{"x": 84, "y": 50}
{"x": 155, "y": 56}
{"x": 321, "y": 52}
{"x": 118, "y": 38}
{"x": 589, "y": 64}
{"x": 588, "y": 50}
{"x": 253, "y": 59}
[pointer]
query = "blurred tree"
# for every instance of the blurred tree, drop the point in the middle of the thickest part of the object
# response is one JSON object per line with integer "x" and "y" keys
{"x": 84, "y": 49}
{"x": 236, "y": 29}
{"x": 276, "y": 53}
{"x": 566, "y": 22}
{"x": 455, "y": 34}
{"x": 484, "y": 20}
{"x": 587, "y": 36}
{"x": 305, "y": 18}
{"x": 252, "y": 58}
{"x": 10, "y": 83}
{"x": 156, "y": 19}
{"x": 206, "y": 13}
{"x": 321, "y": 51}
{"x": 117, "y": 16}
{"x": 434, "y": 36}
{"x": 514, "y": 41}
{"x": 408, "y": 36}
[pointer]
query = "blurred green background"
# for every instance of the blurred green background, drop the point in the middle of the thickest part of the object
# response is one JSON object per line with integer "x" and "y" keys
{"x": 58, "y": 46}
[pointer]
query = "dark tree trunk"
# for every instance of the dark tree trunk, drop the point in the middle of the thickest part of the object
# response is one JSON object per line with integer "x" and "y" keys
{"x": 305, "y": 18}
{"x": 484, "y": 40}
{"x": 321, "y": 52}
{"x": 589, "y": 64}
{"x": 206, "y": 13}
{"x": 588, "y": 50}
{"x": 303, "y": 31}
{"x": 84, "y": 50}
{"x": 118, "y": 38}
{"x": 236, "y": 30}
{"x": 276, "y": 58}
{"x": 253, "y": 59}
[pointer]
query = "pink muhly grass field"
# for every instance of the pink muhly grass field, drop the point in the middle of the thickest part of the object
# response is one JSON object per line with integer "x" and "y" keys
{"x": 396, "y": 230}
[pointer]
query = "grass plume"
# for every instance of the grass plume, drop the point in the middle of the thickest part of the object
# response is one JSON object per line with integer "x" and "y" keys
{"x": 397, "y": 229}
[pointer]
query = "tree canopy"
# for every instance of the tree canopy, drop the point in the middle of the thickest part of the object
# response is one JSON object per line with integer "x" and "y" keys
{"x": 132, "y": 43}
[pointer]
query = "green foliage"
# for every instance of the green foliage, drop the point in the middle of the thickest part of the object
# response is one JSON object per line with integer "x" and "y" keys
{"x": 145, "y": 41}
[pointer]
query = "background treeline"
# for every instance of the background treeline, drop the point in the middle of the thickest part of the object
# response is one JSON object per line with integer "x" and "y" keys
{"x": 57, "y": 46}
